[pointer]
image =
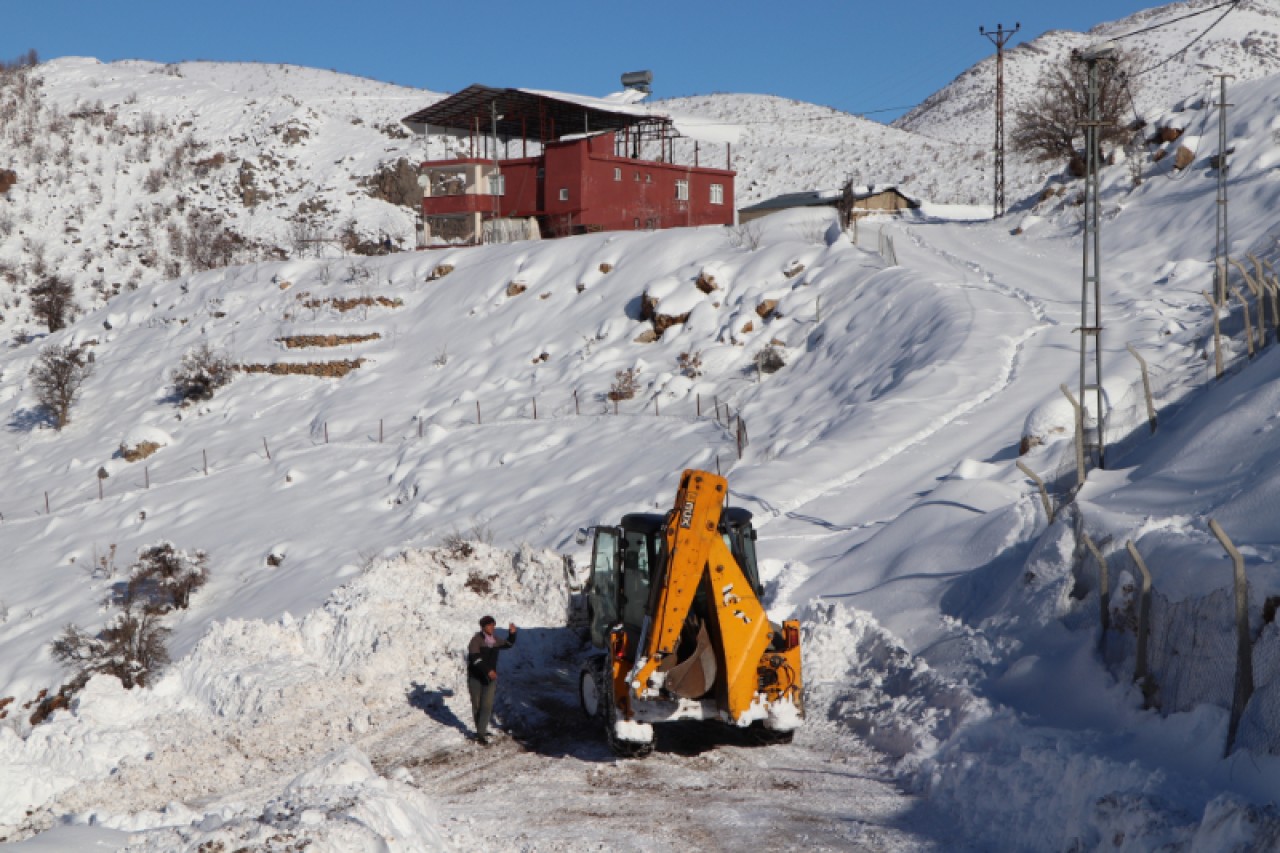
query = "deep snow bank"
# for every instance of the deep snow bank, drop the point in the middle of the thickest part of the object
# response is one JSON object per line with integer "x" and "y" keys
{"x": 261, "y": 723}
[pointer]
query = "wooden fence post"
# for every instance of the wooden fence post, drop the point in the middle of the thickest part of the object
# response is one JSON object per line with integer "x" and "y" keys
{"x": 1217, "y": 334}
{"x": 419, "y": 426}
{"x": 478, "y": 421}
{"x": 615, "y": 405}
{"x": 379, "y": 430}
{"x": 1104, "y": 588}
{"x": 146, "y": 475}
{"x": 46, "y": 503}
{"x": 577, "y": 410}
{"x": 1044, "y": 493}
{"x": 1141, "y": 675}
{"x": 266, "y": 448}
{"x": 656, "y": 413}
{"x": 1244, "y": 645}
{"x": 326, "y": 432}
{"x": 1248, "y": 327}
{"x": 1079, "y": 418}
{"x": 699, "y": 399}
{"x": 204, "y": 454}
{"x": 535, "y": 408}
{"x": 1146, "y": 386}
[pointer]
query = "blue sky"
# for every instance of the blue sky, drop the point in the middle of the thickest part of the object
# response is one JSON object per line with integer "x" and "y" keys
{"x": 855, "y": 55}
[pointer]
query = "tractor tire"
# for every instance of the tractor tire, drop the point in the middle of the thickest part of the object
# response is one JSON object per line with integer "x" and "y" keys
{"x": 621, "y": 748}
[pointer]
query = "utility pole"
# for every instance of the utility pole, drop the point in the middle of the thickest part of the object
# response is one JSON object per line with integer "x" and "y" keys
{"x": 1000, "y": 37}
{"x": 1223, "y": 254}
{"x": 1091, "y": 326}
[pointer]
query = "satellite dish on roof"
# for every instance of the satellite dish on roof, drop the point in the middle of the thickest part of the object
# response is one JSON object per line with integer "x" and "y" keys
{"x": 641, "y": 81}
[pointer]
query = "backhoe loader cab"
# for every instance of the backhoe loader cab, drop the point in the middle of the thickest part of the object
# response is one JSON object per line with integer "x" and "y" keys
{"x": 675, "y": 611}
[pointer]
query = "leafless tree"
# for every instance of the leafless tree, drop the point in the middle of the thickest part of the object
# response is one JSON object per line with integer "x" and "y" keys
{"x": 1051, "y": 125}
{"x": 52, "y": 301}
{"x": 56, "y": 378}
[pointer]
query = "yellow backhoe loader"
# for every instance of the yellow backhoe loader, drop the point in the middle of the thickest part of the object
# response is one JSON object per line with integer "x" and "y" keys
{"x": 680, "y": 633}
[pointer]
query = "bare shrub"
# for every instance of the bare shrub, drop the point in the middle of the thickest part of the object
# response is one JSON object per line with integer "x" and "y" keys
{"x": 56, "y": 378}
{"x": 52, "y": 301}
{"x": 770, "y": 359}
{"x": 690, "y": 364}
{"x": 164, "y": 577}
{"x": 203, "y": 370}
{"x": 130, "y": 647}
{"x": 746, "y": 235}
{"x": 625, "y": 384}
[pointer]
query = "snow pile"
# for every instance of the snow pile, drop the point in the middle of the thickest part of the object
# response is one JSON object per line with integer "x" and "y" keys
{"x": 257, "y": 699}
{"x": 340, "y": 805}
{"x": 861, "y": 678}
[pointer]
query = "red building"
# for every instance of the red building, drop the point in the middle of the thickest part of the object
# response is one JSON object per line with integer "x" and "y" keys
{"x": 571, "y": 164}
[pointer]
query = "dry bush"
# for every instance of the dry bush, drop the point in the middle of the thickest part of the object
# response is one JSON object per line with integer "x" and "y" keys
{"x": 690, "y": 364}
{"x": 770, "y": 359}
{"x": 625, "y": 384}
{"x": 56, "y": 379}
{"x": 130, "y": 647}
{"x": 746, "y": 235}
{"x": 164, "y": 577}
{"x": 202, "y": 371}
{"x": 138, "y": 452}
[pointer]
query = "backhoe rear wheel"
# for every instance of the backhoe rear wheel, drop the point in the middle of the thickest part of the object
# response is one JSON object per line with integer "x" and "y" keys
{"x": 589, "y": 688}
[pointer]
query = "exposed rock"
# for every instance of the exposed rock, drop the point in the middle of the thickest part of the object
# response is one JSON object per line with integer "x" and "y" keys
{"x": 707, "y": 283}
{"x": 302, "y": 341}
{"x": 439, "y": 272}
{"x": 748, "y": 327}
{"x": 794, "y": 271}
{"x": 662, "y": 322}
{"x": 606, "y": 268}
{"x": 141, "y": 450}
{"x": 766, "y": 309}
{"x": 326, "y": 369}
{"x": 515, "y": 288}
{"x": 1159, "y": 155}
{"x": 1169, "y": 134}
{"x": 648, "y": 336}
{"x": 344, "y": 304}
{"x": 1183, "y": 157}
{"x": 8, "y": 178}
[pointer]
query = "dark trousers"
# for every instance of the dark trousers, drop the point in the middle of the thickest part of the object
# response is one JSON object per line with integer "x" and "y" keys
{"x": 481, "y": 702}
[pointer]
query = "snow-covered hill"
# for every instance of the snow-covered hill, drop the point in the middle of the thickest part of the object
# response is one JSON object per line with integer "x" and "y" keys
{"x": 961, "y": 690}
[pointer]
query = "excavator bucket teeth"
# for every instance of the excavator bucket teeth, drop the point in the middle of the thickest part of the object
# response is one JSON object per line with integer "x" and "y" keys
{"x": 693, "y": 676}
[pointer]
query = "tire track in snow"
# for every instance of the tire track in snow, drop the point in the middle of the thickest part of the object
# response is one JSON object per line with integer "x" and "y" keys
{"x": 1008, "y": 374}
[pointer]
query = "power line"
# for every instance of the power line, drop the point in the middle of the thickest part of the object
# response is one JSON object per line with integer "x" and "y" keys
{"x": 1231, "y": 7}
{"x": 1176, "y": 20}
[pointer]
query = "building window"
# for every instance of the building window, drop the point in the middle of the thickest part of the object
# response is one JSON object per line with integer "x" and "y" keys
{"x": 497, "y": 185}
{"x": 717, "y": 193}
{"x": 637, "y": 176}
{"x": 636, "y": 224}
{"x": 682, "y": 190}
{"x": 617, "y": 173}
{"x": 564, "y": 193}
{"x": 648, "y": 179}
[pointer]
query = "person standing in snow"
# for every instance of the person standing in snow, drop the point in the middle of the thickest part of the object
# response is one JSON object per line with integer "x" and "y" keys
{"x": 482, "y": 672}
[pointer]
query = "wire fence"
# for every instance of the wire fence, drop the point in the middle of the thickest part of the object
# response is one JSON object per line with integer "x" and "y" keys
{"x": 68, "y": 493}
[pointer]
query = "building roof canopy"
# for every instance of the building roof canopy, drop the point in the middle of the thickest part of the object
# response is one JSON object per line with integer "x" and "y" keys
{"x": 535, "y": 114}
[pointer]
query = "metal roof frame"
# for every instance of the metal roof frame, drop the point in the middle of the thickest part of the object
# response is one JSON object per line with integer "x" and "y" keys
{"x": 526, "y": 115}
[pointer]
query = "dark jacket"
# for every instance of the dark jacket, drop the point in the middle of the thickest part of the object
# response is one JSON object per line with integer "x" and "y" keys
{"x": 482, "y": 659}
